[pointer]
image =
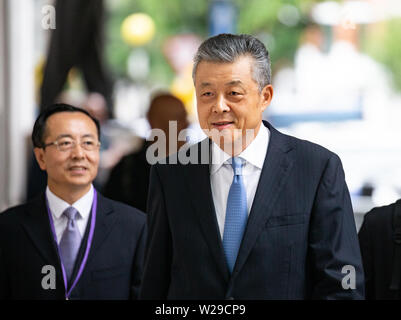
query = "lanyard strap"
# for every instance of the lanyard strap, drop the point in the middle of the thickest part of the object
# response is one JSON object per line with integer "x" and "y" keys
{"x": 88, "y": 246}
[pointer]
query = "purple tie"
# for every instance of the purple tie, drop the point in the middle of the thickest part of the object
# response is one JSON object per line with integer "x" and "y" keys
{"x": 70, "y": 241}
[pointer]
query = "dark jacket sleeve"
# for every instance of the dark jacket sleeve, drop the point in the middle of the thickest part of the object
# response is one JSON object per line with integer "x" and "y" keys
{"x": 4, "y": 285}
{"x": 366, "y": 251}
{"x": 337, "y": 271}
{"x": 156, "y": 277}
{"x": 3, "y": 280}
{"x": 138, "y": 264}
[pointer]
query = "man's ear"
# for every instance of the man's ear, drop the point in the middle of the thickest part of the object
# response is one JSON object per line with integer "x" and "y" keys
{"x": 40, "y": 155}
{"x": 267, "y": 96}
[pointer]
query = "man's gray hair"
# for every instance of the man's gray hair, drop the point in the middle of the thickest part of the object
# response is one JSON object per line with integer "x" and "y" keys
{"x": 226, "y": 48}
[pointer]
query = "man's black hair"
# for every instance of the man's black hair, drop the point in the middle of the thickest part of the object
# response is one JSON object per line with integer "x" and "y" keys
{"x": 39, "y": 127}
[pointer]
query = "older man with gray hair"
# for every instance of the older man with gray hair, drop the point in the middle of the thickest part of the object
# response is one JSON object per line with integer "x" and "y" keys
{"x": 268, "y": 216}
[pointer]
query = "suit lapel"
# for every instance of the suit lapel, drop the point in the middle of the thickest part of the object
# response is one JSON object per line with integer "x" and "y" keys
{"x": 202, "y": 201}
{"x": 37, "y": 226}
{"x": 105, "y": 220}
{"x": 275, "y": 172}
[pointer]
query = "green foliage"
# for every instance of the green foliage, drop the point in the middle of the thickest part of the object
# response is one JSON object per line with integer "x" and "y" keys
{"x": 257, "y": 17}
{"x": 386, "y": 48}
{"x": 174, "y": 17}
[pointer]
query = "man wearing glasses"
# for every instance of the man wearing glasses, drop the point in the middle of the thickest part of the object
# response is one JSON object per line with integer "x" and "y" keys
{"x": 71, "y": 242}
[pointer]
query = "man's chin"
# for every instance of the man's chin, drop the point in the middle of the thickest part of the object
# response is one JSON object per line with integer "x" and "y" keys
{"x": 230, "y": 146}
{"x": 79, "y": 182}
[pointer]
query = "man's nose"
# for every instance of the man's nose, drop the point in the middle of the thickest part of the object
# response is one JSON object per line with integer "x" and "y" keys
{"x": 77, "y": 151}
{"x": 221, "y": 105}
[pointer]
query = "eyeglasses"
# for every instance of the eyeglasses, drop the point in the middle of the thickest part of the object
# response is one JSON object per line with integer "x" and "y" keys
{"x": 66, "y": 144}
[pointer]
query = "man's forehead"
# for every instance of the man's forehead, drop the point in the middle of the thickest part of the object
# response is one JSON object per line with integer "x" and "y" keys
{"x": 70, "y": 123}
{"x": 65, "y": 117}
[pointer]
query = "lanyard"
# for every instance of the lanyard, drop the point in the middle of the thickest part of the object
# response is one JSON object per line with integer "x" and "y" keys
{"x": 88, "y": 246}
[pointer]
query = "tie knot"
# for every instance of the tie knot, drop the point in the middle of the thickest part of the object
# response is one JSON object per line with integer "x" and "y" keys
{"x": 70, "y": 213}
{"x": 237, "y": 164}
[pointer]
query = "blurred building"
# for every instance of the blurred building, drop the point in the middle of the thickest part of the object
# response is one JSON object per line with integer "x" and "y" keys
{"x": 18, "y": 32}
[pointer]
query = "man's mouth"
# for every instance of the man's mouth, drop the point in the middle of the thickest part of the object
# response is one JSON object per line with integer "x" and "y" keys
{"x": 222, "y": 124}
{"x": 77, "y": 169}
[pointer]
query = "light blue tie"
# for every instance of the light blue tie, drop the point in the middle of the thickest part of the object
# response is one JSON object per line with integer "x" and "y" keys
{"x": 236, "y": 215}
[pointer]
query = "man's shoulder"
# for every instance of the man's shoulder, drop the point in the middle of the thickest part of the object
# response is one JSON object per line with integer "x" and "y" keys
{"x": 11, "y": 215}
{"x": 381, "y": 214}
{"x": 135, "y": 156}
{"x": 14, "y": 214}
{"x": 305, "y": 146}
{"x": 309, "y": 152}
{"x": 128, "y": 213}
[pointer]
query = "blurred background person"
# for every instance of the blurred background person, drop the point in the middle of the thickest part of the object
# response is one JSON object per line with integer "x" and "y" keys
{"x": 96, "y": 105}
{"x": 310, "y": 66}
{"x": 77, "y": 41}
{"x": 129, "y": 179}
{"x": 380, "y": 243}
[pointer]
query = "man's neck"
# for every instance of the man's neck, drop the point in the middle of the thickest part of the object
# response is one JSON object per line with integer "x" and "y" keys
{"x": 70, "y": 195}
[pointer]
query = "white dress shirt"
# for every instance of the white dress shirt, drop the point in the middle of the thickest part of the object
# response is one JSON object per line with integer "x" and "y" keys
{"x": 221, "y": 173}
{"x": 57, "y": 207}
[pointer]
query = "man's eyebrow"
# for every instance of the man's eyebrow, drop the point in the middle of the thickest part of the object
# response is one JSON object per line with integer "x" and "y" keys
{"x": 88, "y": 135}
{"x": 66, "y": 135}
{"x": 205, "y": 84}
{"x": 234, "y": 83}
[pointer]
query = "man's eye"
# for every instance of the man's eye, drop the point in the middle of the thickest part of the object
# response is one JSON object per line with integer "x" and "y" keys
{"x": 234, "y": 93}
{"x": 206, "y": 94}
{"x": 65, "y": 143}
{"x": 89, "y": 143}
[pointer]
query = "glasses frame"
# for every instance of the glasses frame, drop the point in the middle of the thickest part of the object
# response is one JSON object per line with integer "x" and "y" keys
{"x": 74, "y": 144}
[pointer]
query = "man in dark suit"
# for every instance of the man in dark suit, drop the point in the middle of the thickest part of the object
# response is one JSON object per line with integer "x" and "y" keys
{"x": 129, "y": 180}
{"x": 380, "y": 241}
{"x": 263, "y": 215}
{"x": 71, "y": 242}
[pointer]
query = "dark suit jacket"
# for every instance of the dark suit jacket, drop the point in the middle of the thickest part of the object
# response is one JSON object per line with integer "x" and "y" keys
{"x": 300, "y": 232}
{"x": 377, "y": 248}
{"x": 114, "y": 266}
{"x": 128, "y": 182}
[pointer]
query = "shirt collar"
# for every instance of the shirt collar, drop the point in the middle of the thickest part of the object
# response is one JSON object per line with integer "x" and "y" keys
{"x": 255, "y": 153}
{"x": 58, "y": 205}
